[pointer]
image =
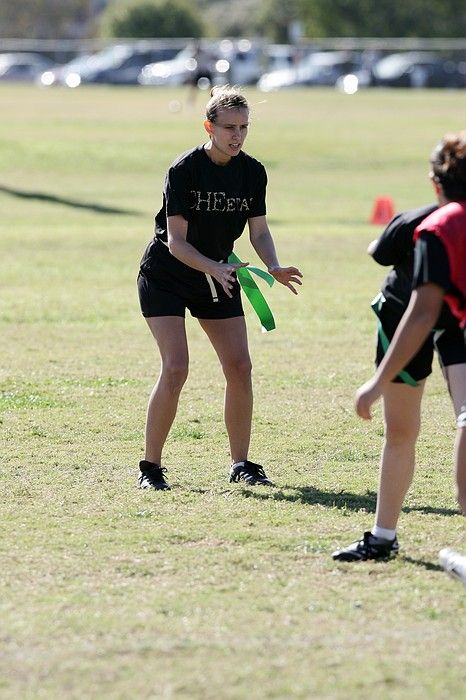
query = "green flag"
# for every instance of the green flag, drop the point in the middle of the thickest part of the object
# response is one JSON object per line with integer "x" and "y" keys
{"x": 253, "y": 292}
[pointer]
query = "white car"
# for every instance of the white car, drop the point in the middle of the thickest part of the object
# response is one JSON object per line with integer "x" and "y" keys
{"x": 68, "y": 74}
{"x": 178, "y": 71}
{"x": 319, "y": 68}
{"x": 239, "y": 63}
{"x": 234, "y": 62}
{"x": 23, "y": 67}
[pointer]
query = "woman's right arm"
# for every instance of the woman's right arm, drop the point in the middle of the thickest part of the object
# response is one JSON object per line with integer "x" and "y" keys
{"x": 177, "y": 231}
{"x": 393, "y": 244}
{"x": 371, "y": 248}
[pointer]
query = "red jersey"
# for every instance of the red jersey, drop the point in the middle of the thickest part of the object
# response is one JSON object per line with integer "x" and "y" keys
{"x": 449, "y": 224}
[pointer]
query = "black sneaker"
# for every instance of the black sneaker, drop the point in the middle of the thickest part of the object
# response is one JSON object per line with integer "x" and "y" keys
{"x": 369, "y": 547}
{"x": 249, "y": 472}
{"x": 151, "y": 476}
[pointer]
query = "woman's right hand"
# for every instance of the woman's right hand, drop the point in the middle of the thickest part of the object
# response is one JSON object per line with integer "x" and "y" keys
{"x": 366, "y": 396}
{"x": 224, "y": 273}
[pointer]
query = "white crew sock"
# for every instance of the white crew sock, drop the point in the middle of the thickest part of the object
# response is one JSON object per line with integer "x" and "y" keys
{"x": 383, "y": 533}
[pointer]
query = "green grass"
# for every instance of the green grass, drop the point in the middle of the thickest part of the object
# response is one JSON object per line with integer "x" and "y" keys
{"x": 211, "y": 590}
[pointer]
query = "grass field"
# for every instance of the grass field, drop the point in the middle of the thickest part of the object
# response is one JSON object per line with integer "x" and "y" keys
{"x": 211, "y": 590}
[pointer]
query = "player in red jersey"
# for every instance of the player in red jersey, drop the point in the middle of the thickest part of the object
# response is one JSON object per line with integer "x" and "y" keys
{"x": 439, "y": 276}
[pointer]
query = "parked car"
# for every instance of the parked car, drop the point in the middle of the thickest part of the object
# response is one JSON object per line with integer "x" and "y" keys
{"x": 24, "y": 67}
{"x": 177, "y": 71}
{"x": 238, "y": 63}
{"x": 319, "y": 68}
{"x": 128, "y": 65}
{"x": 279, "y": 56}
{"x": 418, "y": 69}
{"x": 119, "y": 64}
{"x": 68, "y": 74}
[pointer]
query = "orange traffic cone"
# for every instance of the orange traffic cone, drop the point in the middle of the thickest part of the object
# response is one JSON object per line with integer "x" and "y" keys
{"x": 383, "y": 211}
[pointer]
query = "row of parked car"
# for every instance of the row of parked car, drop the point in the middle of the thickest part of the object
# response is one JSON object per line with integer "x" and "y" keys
{"x": 142, "y": 64}
{"x": 408, "y": 69}
{"x": 273, "y": 67}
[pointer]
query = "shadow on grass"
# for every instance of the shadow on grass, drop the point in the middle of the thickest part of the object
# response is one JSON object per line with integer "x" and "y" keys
{"x": 53, "y": 199}
{"x": 340, "y": 499}
{"x": 428, "y": 565}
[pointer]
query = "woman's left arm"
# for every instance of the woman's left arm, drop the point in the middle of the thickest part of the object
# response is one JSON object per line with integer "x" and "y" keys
{"x": 262, "y": 242}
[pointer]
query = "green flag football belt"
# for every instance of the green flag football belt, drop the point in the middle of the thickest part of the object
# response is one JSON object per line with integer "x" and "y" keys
{"x": 253, "y": 292}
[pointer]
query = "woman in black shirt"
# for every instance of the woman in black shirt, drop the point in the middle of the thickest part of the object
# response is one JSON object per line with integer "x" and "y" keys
{"x": 210, "y": 193}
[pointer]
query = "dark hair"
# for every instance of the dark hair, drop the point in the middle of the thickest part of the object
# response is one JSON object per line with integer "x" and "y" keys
{"x": 448, "y": 161}
{"x": 224, "y": 97}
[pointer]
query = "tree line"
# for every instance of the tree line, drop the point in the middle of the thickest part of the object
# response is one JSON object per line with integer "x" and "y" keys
{"x": 271, "y": 19}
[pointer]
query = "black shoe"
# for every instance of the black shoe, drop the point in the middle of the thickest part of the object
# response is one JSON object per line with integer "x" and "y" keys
{"x": 369, "y": 547}
{"x": 151, "y": 476}
{"x": 249, "y": 472}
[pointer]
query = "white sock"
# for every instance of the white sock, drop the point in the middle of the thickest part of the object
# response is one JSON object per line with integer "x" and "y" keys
{"x": 383, "y": 533}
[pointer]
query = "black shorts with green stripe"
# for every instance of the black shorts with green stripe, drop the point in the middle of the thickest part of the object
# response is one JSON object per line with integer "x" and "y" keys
{"x": 448, "y": 343}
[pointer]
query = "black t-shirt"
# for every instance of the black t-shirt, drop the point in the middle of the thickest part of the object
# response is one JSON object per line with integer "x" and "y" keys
{"x": 215, "y": 200}
{"x": 431, "y": 265}
{"x": 431, "y": 262}
{"x": 395, "y": 247}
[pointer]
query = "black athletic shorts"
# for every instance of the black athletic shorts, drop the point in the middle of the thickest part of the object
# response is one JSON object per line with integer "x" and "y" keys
{"x": 206, "y": 299}
{"x": 449, "y": 344}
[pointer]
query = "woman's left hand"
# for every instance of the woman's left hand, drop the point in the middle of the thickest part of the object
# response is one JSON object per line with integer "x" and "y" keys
{"x": 287, "y": 275}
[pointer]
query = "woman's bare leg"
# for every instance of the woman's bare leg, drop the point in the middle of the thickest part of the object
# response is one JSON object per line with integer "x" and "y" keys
{"x": 455, "y": 376}
{"x": 402, "y": 410}
{"x": 170, "y": 335}
{"x": 229, "y": 339}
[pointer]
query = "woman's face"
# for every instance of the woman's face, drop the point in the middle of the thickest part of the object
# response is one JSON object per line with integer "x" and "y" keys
{"x": 227, "y": 134}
